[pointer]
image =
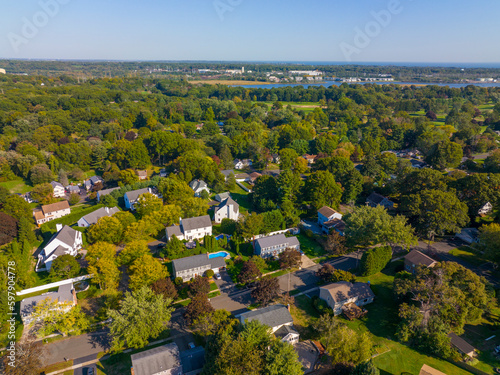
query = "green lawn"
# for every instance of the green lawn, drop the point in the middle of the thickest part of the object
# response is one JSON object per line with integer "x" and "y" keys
{"x": 16, "y": 187}
{"x": 76, "y": 213}
{"x": 240, "y": 196}
{"x": 467, "y": 254}
{"x": 310, "y": 247}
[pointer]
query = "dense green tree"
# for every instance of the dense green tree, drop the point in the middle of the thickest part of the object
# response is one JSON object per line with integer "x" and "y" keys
{"x": 101, "y": 257}
{"x": 145, "y": 270}
{"x": 374, "y": 260}
{"x": 322, "y": 190}
{"x": 147, "y": 204}
{"x": 64, "y": 267}
{"x": 489, "y": 241}
{"x": 133, "y": 250}
{"x": 17, "y": 207}
{"x": 107, "y": 229}
{"x": 445, "y": 154}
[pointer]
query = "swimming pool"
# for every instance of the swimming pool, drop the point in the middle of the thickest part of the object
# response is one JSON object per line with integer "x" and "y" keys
{"x": 220, "y": 254}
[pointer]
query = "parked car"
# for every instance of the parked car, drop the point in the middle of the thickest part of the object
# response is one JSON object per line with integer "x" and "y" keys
{"x": 217, "y": 276}
{"x": 90, "y": 371}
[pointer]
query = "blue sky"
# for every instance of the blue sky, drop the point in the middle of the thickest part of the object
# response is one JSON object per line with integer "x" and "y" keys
{"x": 253, "y": 30}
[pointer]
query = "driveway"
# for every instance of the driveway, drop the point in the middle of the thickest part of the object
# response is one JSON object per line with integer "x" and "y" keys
{"x": 311, "y": 225}
{"x": 225, "y": 283}
{"x": 155, "y": 246}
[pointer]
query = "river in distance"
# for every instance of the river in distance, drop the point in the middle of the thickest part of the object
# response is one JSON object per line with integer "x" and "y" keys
{"x": 338, "y": 83}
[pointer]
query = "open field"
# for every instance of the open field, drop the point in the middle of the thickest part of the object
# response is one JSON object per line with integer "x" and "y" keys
{"x": 16, "y": 186}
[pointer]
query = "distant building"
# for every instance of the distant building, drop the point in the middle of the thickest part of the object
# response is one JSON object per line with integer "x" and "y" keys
{"x": 65, "y": 241}
{"x": 51, "y": 212}
{"x": 227, "y": 173}
{"x": 191, "y": 228}
{"x": 277, "y": 318}
{"x": 337, "y": 295}
{"x": 58, "y": 189}
{"x": 241, "y": 164}
{"x": 270, "y": 246}
{"x": 93, "y": 217}
{"x": 485, "y": 209}
{"x": 163, "y": 172}
{"x": 222, "y": 196}
{"x": 416, "y": 258}
{"x": 469, "y": 235}
{"x": 375, "y": 199}
{"x": 198, "y": 186}
{"x": 131, "y": 197}
{"x": 92, "y": 181}
{"x": 253, "y": 177}
{"x": 228, "y": 209}
{"x": 143, "y": 175}
{"x": 461, "y": 345}
{"x": 310, "y": 158}
{"x": 418, "y": 164}
{"x": 196, "y": 265}
{"x": 65, "y": 296}
{"x": 2, "y": 71}
{"x": 102, "y": 193}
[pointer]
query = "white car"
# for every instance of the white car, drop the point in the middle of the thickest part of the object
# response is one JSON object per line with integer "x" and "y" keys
{"x": 217, "y": 276}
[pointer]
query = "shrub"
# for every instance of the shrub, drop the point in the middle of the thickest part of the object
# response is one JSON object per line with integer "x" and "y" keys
{"x": 209, "y": 273}
{"x": 374, "y": 260}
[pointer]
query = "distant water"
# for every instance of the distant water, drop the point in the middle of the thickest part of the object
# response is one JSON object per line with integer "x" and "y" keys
{"x": 338, "y": 83}
{"x": 490, "y": 65}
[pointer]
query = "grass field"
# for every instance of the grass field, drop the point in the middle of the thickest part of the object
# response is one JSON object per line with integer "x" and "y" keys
{"x": 467, "y": 254}
{"x": 310, "y": 247}
{"x": 16, "y": 187}
{"x": 76, "y": 213}
{"x": 241, "y": 197}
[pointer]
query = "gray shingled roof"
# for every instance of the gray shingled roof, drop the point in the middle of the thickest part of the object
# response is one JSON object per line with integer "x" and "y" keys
{"x": 73, "y": 188}
{"x": 285, "y": 330}
{"x": 174, "y": 230}
{"x": 107, "y": 191}
{"x": 277, "y": 239}
{"x": 63, "y": 294}
{"x": 272, "y": 316}
{"x": 93, "y": 217}
{"x": 95, "y": 179}
{"x": 196, "y": 261}
{"x": 196, "y": 223}
{"x": 56, "y": 184}
{"x": 193, "y": 359}
{"x": 66, "y": 235}
{"x": 227, "y": 172}
{"x": 198, "y": 184}
{"x": 156, "y": 360}
{"x": 460, "y": 343}
{"x": 344, "y": 290}
{"x": 133, "y": 195}
{"x": 222, "y": 196}
{"x": 229, "y": 202}
{"x": 375, "y": 198}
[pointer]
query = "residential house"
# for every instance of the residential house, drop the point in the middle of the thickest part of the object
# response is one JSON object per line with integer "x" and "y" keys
{"x": 102, "y": 193}
{"x": 416, "y": 258}
{"x": 163, "y": 172}
{"x": 65, "y": 297}
{"x": 191, "y": 228}
{"x": 227, "y": 173}
{"x": 485, "y": 209}
{"x": 326, "y": 214}
{"x": 240, "y": 177}
{"x": 143, "y": 175}
{"x": 277, "y": 318}
{"x": 93, "y": 217}
{"x": 334, "y": 224}
{"x": 338, "y": 295}
{"x": 228, "y": 209}
{"x": 469, "y": 235}
{"x": 419, "y": 164}
{"x": 461, "y": 345}
{"x": 163, "y": 360}
{"x": 276, "y": 158}
{"x": 428, "y": 370}
{"x": 197, "y": 265}
{"x": 58, "y": 189}
{"x": 242, "y": 163}
{"x": 222, "y": 196}
{"x": 93, "y": 181}
{"x": 375, "y": 199}
{"x": 193, "y": 360}
{"x": 271, "y": 246}
{"x": 131, "y": 197}
{"x": 52, "y": 211}
{"x": 73, "y": 189}
{"x": 253, "y": 177}
{"x": 27, "y": 197}
{"x": 310, "y": 158}
{"x": 198, "y": 186}
{"x": 65, "y": 241}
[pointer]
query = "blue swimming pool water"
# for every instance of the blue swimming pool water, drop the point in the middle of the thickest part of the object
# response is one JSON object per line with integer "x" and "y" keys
{"x": 222, "y": 254}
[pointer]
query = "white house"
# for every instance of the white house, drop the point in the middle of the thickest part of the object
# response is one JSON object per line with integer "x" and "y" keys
{"x": 337, "y": 295}
{"x": 51, "y": 211}
{"x": 65, "y": 241}
{"x": 65, "y": 296}
{"x": 198, "y": 186}
{"x": 242, "y": 163}
{"x": 58, "y": 188}
{"x": 277, "y": 318}
{"x": 196, "y": 265}
{"x": 485, "y": 209}
{"x": 326, "y": 214}
{"x": 191, "y": 229}
{"x": 93, "y": 217}
{"x": 270, "y": 246}
{"x": 131, "y": 197}
{"x": 227, "y": 209}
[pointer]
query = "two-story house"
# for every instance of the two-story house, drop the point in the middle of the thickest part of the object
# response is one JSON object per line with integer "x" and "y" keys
{"x": 337, "y": 295}
{"x": 375, "y": 199}
{"x": 272, "y": 246}
{"x": 486, "y": 209}
{"x": 58, "y": 190}
{"x": 227, "y": 209}
{"x": 198, "y": 186}
{"x": 93, "y": 181}
{"x": 326, "y": 213}
{"x": 242, "y": 163}
{"x": 277, "y": 318}
{"x": 416, "y": 258}
{"x": 102, "y": 193}
{"x": 191, "y": 228}
{"x": 65, "y": 241}
{"x": 65, "y": 298}
{"x": 93, "y": 217}
{"x": 196, "y": 265}
{"x": 52, "y": 211}
{"x": 131, "y": 197}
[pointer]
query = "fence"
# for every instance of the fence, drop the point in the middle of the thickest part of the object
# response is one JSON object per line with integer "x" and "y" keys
{"x": 53, "y": 285}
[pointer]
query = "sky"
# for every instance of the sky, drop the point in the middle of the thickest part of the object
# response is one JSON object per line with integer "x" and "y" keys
{"x": 435, "y": 31}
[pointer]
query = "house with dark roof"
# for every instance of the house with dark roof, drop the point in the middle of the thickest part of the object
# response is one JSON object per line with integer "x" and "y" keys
{"x": 228, "y": 209}
{"x": 102, "y": 193}
{"x": 419, "y": 164}
{"x": 191, "y": 228}
{"x": 461, "y": 345}
{"x": 272, "y": 246}
{"x": 65, "y": 241}
{"x": 416, "y": 258}
{"x": 93, "y": 217}
{"x": 51, "y": 212}
{"x": 227, "y": 173}
{"x": 58, "y": 190}
{"x": 65, "y": 298}
{"x": 338, "y": 295}
{"x": 277, "y": 318}
{"x": 326, "y": 213}
{"x": 193, "y": 360}
{"x": 375, "y": 199}
{"x": 196, "y": 265}
{"x": 131, "y": 197}
{"x": 93, "y": 181}
{"x": 469, "y": 235}
{"x": 163, "y": 360}
{"x": 73, "y": 189}
{"x": 334, "y": 224}
{"x": 198, "y": 186}
{"x": 222, "y": 196}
